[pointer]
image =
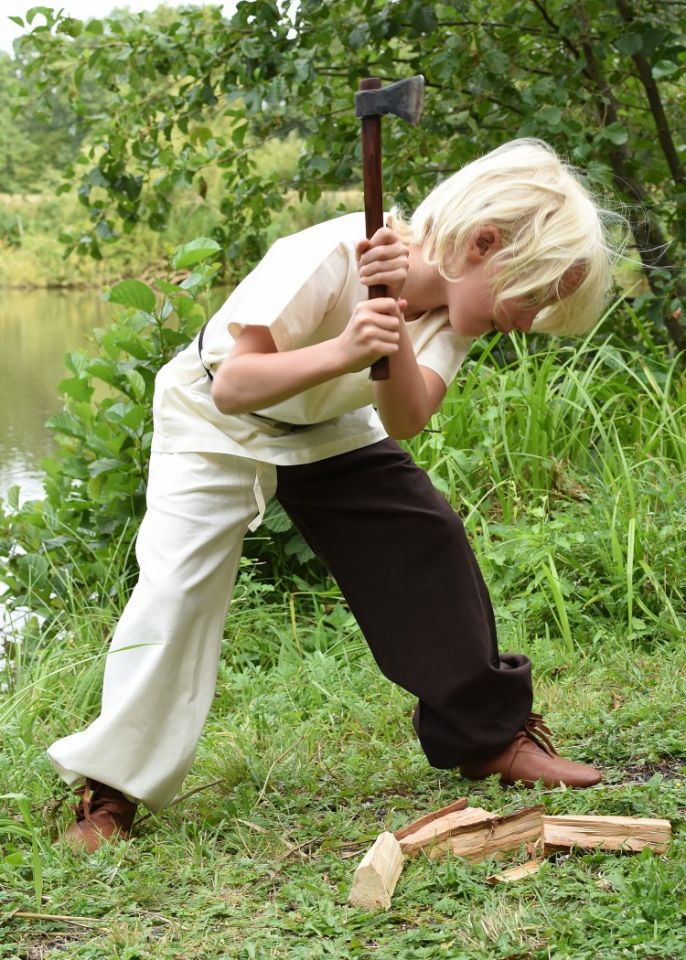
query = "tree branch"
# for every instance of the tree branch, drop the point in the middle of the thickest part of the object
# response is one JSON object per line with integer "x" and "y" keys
{"x": 651, "y": 242}
{"x": 540, "y": 6}
{"x": 664, "y": 134}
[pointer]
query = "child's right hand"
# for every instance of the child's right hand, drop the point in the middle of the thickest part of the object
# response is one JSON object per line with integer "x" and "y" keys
{"x": 373, "y": 331}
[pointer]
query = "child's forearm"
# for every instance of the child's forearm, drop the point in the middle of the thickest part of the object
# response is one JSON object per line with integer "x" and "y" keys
{"x": 254, "y": 380}
{"x": 255, "y": 375}
{"x": 407, "y": 400}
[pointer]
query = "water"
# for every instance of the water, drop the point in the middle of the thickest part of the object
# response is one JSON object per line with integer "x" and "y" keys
{"x": 37, "y": 328}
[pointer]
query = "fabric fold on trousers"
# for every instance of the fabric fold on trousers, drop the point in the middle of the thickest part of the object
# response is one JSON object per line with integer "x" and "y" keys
{"x": 402, "y": 559}
{"x": 160, "y": 672}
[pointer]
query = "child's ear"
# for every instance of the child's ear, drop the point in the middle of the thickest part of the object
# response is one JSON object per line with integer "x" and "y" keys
{"x": 486, "y": 240}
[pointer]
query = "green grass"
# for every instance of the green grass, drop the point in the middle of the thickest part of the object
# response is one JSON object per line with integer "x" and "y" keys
{"x": 568, "y": 467}
{"x": 302, "y": 765}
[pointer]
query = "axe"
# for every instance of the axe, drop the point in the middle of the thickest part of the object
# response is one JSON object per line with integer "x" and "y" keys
{"x": 405, "y": 99}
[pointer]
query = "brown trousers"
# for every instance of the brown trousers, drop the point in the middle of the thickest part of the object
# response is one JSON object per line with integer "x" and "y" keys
{"x": 402, "y": 560}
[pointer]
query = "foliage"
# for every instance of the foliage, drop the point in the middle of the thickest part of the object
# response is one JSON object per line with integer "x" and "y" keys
{"x": 35, "y": 145}
{"x": 602, "y": 82}
{"x": 95, "y": 485}
{"x": 538, "y": 448}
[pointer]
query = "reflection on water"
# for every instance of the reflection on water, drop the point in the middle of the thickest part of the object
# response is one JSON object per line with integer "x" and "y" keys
{"x": 37, "y": 328}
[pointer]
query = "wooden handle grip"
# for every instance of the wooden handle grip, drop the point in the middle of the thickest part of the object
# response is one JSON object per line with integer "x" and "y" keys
{"x": 373, "y": 197}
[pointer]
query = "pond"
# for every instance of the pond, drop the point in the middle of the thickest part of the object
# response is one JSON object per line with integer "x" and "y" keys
{"x": 37, "y": 328}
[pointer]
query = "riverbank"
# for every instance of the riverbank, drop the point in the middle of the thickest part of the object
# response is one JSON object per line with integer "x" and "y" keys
{"x": 568, "y": 467}
{"x": 34, "y": 258}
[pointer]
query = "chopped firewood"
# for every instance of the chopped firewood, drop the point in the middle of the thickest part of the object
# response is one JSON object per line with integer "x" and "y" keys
{"x": 517, "y": 873}
{"x": 479, "y": 840}
{"x": 441, "y": 828}
{"x": 377, "y": 874}
{"x": 605, "y": 833}
{"x": 429, "y": 818}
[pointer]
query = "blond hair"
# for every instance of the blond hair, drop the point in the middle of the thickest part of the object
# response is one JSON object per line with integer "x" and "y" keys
{"x": 550, "y": 227}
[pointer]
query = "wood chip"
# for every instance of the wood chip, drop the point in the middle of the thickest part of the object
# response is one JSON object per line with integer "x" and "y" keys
{"x": 605, "y": 833}
{"x": 429, "y": 817}
{"x": 377, "y": 874}
{"x": 520, "y": 872}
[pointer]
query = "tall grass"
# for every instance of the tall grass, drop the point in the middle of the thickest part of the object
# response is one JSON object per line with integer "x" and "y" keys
{"x": 568, "y": 464}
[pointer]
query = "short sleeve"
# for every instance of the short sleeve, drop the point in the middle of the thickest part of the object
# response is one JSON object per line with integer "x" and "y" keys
{"x": 444, "y": 353}
{"x": 289, "y": 291}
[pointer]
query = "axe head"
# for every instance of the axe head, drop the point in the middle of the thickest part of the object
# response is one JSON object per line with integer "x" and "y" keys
{"x": 405, "y": 99}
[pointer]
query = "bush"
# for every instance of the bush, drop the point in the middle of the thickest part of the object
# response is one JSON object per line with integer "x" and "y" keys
{"x": 95, "y": 484}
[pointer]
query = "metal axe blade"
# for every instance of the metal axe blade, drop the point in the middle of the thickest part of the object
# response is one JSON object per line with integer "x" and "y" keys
{"x": 405, "y": 99}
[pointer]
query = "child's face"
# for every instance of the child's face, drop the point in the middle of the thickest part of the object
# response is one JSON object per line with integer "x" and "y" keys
{"x": 471, "y": 299}
{"x": 472, "y": 308}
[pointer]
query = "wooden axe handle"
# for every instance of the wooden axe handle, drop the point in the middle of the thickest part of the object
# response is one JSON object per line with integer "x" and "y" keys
{"x": 373, "y": 197}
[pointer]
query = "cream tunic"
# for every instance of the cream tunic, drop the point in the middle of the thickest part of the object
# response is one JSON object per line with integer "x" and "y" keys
{"x": 304, "y": 290}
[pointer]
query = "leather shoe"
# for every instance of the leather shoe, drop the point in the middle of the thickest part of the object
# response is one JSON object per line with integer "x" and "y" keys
{"x": 103, "y": 813}
{"x": 531, "y": 758}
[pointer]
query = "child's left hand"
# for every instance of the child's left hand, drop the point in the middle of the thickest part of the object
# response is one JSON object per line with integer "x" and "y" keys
{"x": 383, "y": 260}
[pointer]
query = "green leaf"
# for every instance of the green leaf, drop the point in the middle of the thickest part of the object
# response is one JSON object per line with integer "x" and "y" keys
{"x": 200, "y": 135}
{"x": 356, "y": 38}
{"x": 12, "y": 496}
{"x": 33, "y": 566}
{"x": 615, "y": 133}
{"x": 137, "y": 383}
{"x": 70, "y": 26}
{"x": 629, "y": 43}
{"x": 103, "y": 465}
{"x": 276, "y": 519}
{"x": 551, "y": 116}
{"x": 65, "y": 423}
{"x": 14, "y": 859}
{"x": 664, "y": 68}
{"x": 34, "y": 11}
{"x": 191, "y": 253}
{"x": 238, "y": 134}
{"x": 17, "y": 20}
{"x": 76, "y": 388}
{"x": 169, "y": 288}
{"x": 132, "y": 293}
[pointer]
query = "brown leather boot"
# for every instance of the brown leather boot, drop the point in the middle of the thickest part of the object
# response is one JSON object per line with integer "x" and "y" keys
{"x": 101, "y": 814}
{"x": 531, "y": 757}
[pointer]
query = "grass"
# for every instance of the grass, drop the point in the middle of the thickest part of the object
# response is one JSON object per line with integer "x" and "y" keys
{"x": 568, "y": 467}
{"x": 299, "y": 768}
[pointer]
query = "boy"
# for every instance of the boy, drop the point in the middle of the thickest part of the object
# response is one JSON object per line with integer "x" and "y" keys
{"x": 274, "y": 399}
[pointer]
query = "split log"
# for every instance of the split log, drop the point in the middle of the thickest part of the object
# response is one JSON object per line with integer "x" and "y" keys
{"x": 429, "y": 818}
{"x": 377, "y": 874}
{"x": 605, "y": 833}
{"x": 479, "y": 840}
{"x": 440, "y": 828}
{"x": 517, "y": 873}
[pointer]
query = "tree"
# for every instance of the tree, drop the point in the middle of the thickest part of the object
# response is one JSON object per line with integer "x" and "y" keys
{"x": 602, "y": 81}
{"x": 34, "y": 146}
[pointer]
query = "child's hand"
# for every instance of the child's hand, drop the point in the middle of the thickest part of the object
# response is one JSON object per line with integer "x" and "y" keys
{"x": 373, "y": 331}
{"x": 383, "y": 260}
